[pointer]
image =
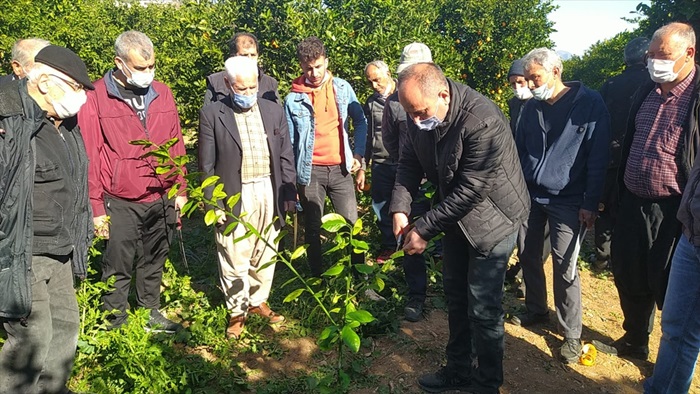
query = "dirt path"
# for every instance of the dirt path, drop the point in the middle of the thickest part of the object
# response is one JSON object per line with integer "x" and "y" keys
{"x": 530, "y": 362}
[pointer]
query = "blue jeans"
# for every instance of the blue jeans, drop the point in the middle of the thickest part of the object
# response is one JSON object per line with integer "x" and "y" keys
{"x": 38, "y": 356}
{"x": 474, "y": 290}
{"x": 680, "y": 324}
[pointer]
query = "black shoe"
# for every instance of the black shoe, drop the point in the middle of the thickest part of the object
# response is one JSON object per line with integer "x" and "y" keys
{"x": 622, "y": 348}
{"x": 571, "y": 350}
{"x": 413, "y": 311}
{"x": 443, "y": 380}
{"x": 159, "y": 323}
{"x": 529, "y": 319}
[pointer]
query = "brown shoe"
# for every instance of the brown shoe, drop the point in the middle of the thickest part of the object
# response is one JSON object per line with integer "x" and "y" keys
{"x": 235, "y": 327}
{"x": 265, "y": 311}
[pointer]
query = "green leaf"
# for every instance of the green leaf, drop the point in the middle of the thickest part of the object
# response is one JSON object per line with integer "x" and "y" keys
{"x": 359, "y": 246}
{"x": 363, "y": 268}
{"x": 357, "y": 227}
{"x": 141, "y": 142}
{"x": 210, "y": 181}
{"x": 299, "y": 252}
{"x": 334, "y": 270}
{"x": 350, "y": 338}
{"x": 160, "y": 170}
{"x": 361, "y": 316}
{"x": 333, "y": 222}
{"x": 233, "y": 200}
{"x": 210, "y": 217}
{"x": 293, "y": 295}
{"x": 173, "y": 191}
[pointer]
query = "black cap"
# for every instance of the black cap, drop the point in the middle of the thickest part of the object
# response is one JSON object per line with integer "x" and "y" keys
{"x": 65, "y": 61}
{"x": 517, "y": 68}
{"x": 636, "y": 50}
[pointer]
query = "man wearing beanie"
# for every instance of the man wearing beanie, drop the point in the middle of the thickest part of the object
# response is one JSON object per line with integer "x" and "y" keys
{"x": 45, "y": 221}
{"x": 617, "y": 93}
{"x": 521, "y": 91}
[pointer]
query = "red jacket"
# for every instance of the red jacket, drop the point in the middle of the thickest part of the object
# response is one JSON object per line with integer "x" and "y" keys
{"x": 116, "y": 167}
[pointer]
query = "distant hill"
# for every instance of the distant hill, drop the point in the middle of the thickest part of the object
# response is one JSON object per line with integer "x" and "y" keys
{"x": 564, "y": 55}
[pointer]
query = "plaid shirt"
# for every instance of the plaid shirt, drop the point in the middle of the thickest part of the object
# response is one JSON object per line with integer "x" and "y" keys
{"x": 256, "y": 154}
{"x": 651, "y": 170}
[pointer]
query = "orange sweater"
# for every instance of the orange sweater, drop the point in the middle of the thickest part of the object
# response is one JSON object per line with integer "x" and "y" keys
{"x": 327, "y": 135}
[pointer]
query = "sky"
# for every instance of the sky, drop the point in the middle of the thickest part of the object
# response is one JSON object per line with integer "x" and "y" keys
{"x": 581, "y": 23}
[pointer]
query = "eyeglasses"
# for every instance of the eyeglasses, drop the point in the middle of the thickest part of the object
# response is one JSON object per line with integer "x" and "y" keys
{"x": 72, "y": 84}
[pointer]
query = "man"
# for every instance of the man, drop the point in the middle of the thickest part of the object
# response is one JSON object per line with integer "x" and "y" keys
{"x": 394, "y": 131}
{"x": 617, "y": 93}
{"x": 521, "y": 94}
{"x": 521, "y": 91}
{"x": 128, "y": 105}
{"x": 319, "y": 109}
{"x": 23, "y": 53}
{"x": 383, "y": 166}
{"x": 45, "y": 221}
{"x": 241, "y": 44}
{"x": 658, "y": 153}
{"x": 562, "y": 138}
{"x": 245, "y": 141}
{"x": 461, "y": 142}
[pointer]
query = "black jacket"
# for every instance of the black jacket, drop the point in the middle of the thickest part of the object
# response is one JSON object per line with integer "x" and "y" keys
{"x": 688, "y": 145}
{"x": 220, "y": 151}
{"x": 515, "y": 105}
{"x": 217, "y": 90}
{"x": 374, "y": 149}
{"x": 472, "y": 159}
{"x": 20, "y": 121}
{"x": 617, "y": 92}
{"x": 393, "y": 126}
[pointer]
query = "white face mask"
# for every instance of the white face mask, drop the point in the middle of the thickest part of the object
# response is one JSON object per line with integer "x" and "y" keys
{"x": 543, "y": 93}
{"x": 140, "y": 79}
{"x": 70, "y": 103}
{"x": 661, "y": 71}
{"x": 429, "y": 124}
{"x": 522, "y": 93}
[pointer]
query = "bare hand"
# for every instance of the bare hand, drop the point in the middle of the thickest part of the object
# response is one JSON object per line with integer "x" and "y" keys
{"x": 180, "y": 202}
{"x": 220, "y": 216}
{"x": 400, "y": 222}
{"x": 414, "y": 243}
{"x": 356, "y": 163}
{"x": 587, "y": 217}
{"x": 360, "y": 180}
{"x": 101, "y": 224}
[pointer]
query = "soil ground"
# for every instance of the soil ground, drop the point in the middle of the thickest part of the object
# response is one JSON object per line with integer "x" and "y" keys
{"x": 530, "y": 362}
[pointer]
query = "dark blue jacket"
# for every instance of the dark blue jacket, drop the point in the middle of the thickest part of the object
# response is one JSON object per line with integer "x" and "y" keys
{"x": 571, "y": 170}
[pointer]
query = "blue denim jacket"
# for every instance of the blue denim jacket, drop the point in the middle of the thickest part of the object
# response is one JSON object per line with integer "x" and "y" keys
{"x": 299, "y": 111}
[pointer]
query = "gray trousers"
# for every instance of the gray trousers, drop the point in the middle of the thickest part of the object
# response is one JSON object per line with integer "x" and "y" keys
{"x": 564, "y": 228}
{"x": 38, "y": 356}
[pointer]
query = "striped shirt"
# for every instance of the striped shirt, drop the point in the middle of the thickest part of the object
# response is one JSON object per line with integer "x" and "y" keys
{"x": 652, "y": 170}
{"x": 256, "y": 154}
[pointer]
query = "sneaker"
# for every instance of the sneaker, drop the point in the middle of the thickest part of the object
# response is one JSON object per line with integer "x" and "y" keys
{"x": 384, "y": 255}
{"x": 571, "y": 350}
{"x": 443, "y": 380}
{"x": 374, "y": 296}
{"x": 235, "y": 327}
{"x": 413, "y": 311}
{"x": 529, "y": 319}
{"x": 622, "y": 348}
{"x": 159, "y": 323}
{"x": 264, "y": 310}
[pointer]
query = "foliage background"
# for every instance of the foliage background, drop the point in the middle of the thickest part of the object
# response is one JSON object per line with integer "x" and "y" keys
{"x": 474, "y": 41}
{"x": 605, "y": 58}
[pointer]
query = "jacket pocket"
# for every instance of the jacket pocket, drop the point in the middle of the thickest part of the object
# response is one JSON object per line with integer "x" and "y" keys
{"x": 485, "y": 226}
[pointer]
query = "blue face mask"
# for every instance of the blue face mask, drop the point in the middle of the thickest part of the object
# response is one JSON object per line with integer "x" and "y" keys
{"x": 245, "y": 102}
{"x": 429, "y": 124}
